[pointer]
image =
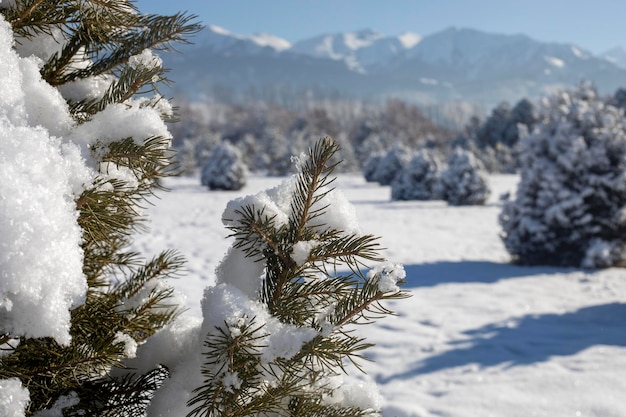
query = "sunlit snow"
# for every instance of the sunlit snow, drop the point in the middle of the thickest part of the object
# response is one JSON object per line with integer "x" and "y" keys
{"x": 409, "y": 39}
{"x": 275, "y": 42}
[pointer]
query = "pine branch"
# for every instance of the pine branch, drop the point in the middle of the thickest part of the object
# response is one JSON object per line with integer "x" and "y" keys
{"x": 111, "y": 397}
{"x": 146, "y": 32}
{"x": 30, "y": 17}
{"x": 312, "y": 178}
{"x": 345, "y": 248}
{"x": 130, "y": 82}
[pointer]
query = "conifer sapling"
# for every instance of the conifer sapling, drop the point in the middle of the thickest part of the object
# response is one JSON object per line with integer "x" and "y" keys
{"x": 279, "y": 323}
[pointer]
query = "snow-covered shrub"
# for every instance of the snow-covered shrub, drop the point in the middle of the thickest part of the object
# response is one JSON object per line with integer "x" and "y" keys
{"x": 419, "y": 180}
{"x": 498, "y": 137}
{"x": 83, "y": 142}
{"x": 569, "y": 206}
{"x": 370, "y": 167}
{"x": 391, "y": 164}
{"x": 225, "y": 169}
{"x": 464, "y": 181}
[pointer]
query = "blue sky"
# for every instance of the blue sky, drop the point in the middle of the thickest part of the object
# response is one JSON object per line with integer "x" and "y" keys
{"x": 595, "y": 25}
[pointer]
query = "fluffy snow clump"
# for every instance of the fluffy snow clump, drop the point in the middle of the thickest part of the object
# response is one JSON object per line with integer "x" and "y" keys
{"x": 41, "y": 276}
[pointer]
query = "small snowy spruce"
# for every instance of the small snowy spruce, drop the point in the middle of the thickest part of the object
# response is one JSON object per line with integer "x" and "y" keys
{"x": 276, "y": 333}
{"x": 569, "y": 206}
{"x": 499, "y": 136}
{"x": 225, "y": 169}
{"x": 419, "y": 180}
{"x": 465, "y": 180}
{"x": 83, "y": 144}
{"x": 390, "y": 165}
{"x": 370, "y": 167}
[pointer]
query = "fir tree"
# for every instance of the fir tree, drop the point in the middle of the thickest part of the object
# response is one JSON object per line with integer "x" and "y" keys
{"x": 570, "y": 202}
{"x": 224, "y": 170}
{"x": 496, "y": 126}
{"x": 392, "y": 164}
{"x": 284, "y": 338}
{"x": 106, "y": 42}
{"x": 371, "y": 166}
{"x": 420, "y": 180}
{"x": 464, "y": 181}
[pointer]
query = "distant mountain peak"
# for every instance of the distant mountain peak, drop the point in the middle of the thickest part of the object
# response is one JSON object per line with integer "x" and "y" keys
{"x": 266, "y": 39}
{"x": 409, "y": 39}
{"x": 361, "y": 38}
{"x": 616, "y": 56}
{"x": 262, "y": 40}
{"x": 219, "y": 30}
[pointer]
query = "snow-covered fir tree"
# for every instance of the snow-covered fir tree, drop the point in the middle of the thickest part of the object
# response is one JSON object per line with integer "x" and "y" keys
{"x": 420, "y": 179}
{"x": 498, "y": 137}
{"x": 224, "y": 169}
{"x": 83, "y": 144}
{"x": 391, "y": 164}
{"x": 371, "y": 166}
{"x": 465, "y": 180}
{"x": 569, "y": 206}
{"x": 496, "y": 127}
{"x": 276, "y": 332}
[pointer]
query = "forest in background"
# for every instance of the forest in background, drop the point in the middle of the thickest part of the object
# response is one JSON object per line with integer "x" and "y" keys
{"x": 268, "y": 134}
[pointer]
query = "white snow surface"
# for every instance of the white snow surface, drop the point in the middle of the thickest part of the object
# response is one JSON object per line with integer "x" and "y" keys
{"x": 479, "y": 336}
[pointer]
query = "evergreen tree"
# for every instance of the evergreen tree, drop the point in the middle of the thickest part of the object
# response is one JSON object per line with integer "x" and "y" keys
{"x": 84, "y": 45}
{"x": 464, "y": 181}
{"x": 495, "y": 128}
{"x": 224, "y": 170}
{"x": 420, "y": 180}
{"x": 498, "y": 138}
{"x": 392, "y": 164}
{"x": 371, "y": 166}
{"x": 274, "y": 345}
{"x": 619, "y": 98}
{"x": 523, "y": 113}
{"x": 569, "y": 204}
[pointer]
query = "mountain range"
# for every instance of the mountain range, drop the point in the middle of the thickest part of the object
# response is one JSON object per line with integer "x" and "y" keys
{"x": 456, "y": 64}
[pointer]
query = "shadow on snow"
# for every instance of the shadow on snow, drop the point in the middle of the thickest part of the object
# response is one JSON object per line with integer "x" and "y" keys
{"x": 532, "y": 339}
{"x": 447, "y": 272}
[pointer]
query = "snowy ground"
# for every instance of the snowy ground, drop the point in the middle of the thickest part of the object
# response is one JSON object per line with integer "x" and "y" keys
{"x": 479, "y": 337}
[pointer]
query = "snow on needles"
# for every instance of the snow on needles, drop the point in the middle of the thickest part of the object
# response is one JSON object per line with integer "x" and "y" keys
{"x": 45, "y": 164}
{"x": 41, "y": 275}
{"x": 388, "y": 276}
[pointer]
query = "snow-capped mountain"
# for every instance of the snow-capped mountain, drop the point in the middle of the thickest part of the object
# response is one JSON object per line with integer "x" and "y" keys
{"x": 454, "y": 64}
{"x": 360, "y": 50}
{"x": 468, "y": 48}
{"x": 616, "y": 56}
{"x": 220, "y": 40}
